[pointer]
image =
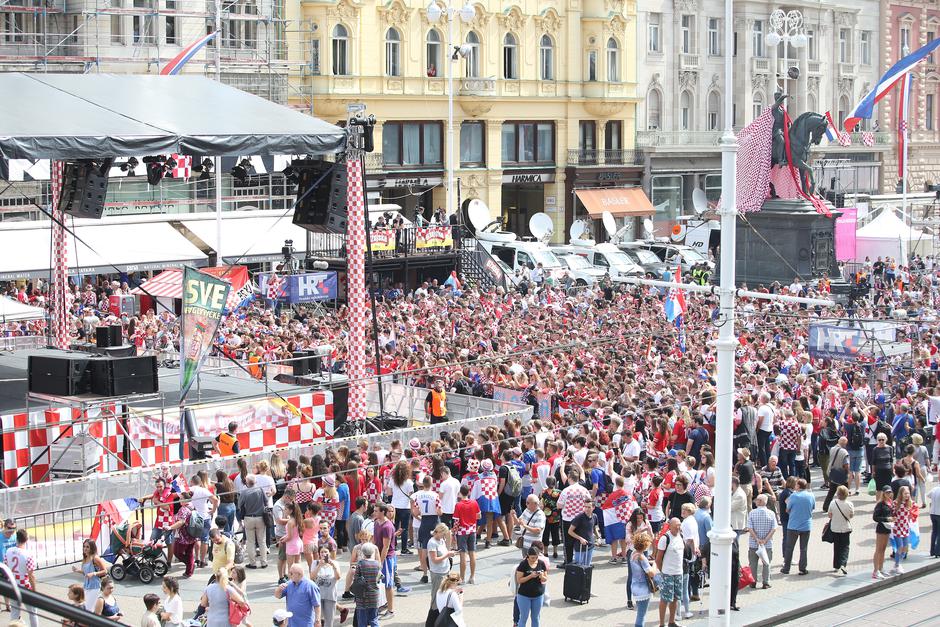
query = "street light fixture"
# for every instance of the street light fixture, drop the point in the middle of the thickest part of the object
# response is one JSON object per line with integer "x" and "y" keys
{"x": 466, "y": 13}
{"x": 787, "y": 27}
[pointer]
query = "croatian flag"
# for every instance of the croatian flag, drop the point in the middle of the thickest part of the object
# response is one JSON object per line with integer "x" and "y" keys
{"x": 176, "y": 63}
{"x": 830, "y": 135}
{"x": 110, "y": 514}
{"x": 904, "y": 106}
{"x": 179, "y": 484}
{"x": 865, "y": 109}
{"x": 274, "y": 287}
{"x": 617, "y": 509}
{"x": 675, "y": 302}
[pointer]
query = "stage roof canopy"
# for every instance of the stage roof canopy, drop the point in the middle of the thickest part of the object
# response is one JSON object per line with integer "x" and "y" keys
{"x": 90, "y": 116}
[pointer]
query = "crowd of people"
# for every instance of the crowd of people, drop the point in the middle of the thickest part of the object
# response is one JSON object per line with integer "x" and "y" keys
{"x": 624, "y": 457}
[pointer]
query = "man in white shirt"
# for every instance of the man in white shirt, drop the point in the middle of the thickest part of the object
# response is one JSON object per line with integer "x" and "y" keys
{"x": 631, "y": 447}
{"x": 765, "y": 427}
{"x": 448, "y": 491}
{"x": 204, "y": 503}
{"x": 669, "y": 555}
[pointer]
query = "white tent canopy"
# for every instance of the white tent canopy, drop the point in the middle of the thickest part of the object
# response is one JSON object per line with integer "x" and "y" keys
{"x": 14, "y": 311}
{"x": 887, "y": 235}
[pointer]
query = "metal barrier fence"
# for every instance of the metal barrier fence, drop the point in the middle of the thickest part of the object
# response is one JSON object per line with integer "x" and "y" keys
{"x": 22, "y": 342}
{"x": 60, "y": 514}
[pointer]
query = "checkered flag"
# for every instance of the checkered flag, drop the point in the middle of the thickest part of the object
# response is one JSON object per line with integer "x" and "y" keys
{"x": 845, "y": 139}
{"x": 902, "y": 126}
{"x": 868, "y": 138}
{"x": 275, "y": 283}
{"x": 184, "y": 166}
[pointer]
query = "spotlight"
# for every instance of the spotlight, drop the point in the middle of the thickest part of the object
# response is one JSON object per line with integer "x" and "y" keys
{"x": 170, "y": 163}
{"x": 291, "y": 174}
{"x": 242, "y": 170}
{"x": 155, "y": 169}
{"x": 130, "y": 165}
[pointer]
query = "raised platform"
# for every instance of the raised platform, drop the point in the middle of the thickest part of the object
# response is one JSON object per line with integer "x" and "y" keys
{"x": 785, "y": 239}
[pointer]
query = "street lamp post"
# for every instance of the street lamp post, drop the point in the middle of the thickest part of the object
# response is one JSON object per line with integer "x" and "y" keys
{"x": 787, "y": 27}
{"x": 454, "y": 52}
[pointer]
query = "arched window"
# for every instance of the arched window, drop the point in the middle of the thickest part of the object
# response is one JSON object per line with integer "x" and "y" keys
{"x": 714, "y": 111}
{"x": 685, "y": 111}
{"x": 843, "y": 110}
{"x": 757, "y": 105}
{"x": 613, "y": 61}
{"x": 546, "y": 59}
{"x": 473, "y": 58}
{"x": 392, "y": 53}
{"x": 654, "y": 110}
{"x": 340, "y": 46}
{"x": 510, "y": 56}
{"x": 433, "y": 52}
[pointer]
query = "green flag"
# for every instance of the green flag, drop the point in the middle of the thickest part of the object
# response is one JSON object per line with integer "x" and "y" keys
{"x": 204, "y": 298}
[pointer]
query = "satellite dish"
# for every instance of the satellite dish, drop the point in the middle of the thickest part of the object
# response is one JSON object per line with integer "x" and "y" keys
{"x": 648, "y": 227}
{"x": 578, "y": 233}
{"x": 478, "y": 214}
{"x": 541, "y": 226}
{"x": 487, "y": 229}
{"x": 699, "y": 201}
{"x": 609, "y": 224}
{"x": 678, "y": 233}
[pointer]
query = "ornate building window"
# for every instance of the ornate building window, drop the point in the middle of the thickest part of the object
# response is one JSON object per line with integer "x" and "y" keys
{"x": 473, "y": 59}
{"x": 546, "y": 59}
{"x": 713, "y": 114}
{"x": 392, "y": 52}
{"x": 433, "y": 53}
{"x": 654, "y": 110}
{"x": 510, "y": 57}
{"x": 685, "y": 111}
{"x": 340, "y": 50}
{"x": 613, "y": 61}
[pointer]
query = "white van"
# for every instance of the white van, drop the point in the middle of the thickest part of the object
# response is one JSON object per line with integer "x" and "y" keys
{"x": 607, "y": 258}
{"x": 520, "y": 257}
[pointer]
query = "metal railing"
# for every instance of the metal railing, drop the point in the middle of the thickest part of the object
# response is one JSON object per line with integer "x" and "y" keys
{"x": 677, "y": 138}
{"x": 580, "y": 156}
{"x": 22, "y": 342}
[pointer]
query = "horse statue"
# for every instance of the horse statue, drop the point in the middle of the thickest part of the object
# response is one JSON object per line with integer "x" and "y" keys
{"x": 805, "y": 131}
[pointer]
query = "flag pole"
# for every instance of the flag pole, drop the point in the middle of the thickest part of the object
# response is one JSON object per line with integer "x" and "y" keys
{"x": 907, "y": 140}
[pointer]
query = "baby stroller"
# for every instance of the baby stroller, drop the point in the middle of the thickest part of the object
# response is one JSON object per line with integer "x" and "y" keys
{"x": 132, "y": 556}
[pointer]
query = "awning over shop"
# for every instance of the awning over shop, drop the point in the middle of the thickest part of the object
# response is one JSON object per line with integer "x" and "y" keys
{"x": 103, "y": 247}
{"x": 619, "y": 201}
{"x": 90, "y": 116}
{"x": 250, "y": 237}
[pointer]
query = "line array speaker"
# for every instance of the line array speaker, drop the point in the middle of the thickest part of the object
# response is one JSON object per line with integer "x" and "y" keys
{"x": 60, "y": 376}
{"x": 84, "y": 187}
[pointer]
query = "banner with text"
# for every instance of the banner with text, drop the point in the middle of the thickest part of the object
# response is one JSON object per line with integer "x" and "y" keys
{"x": 204, "y": 298}
{"x": 434, "y": 237}
{"x": 382, "y": 240}
{"x": 304, "y": 288}
{"x": 253, "y": 415}
{"x": 508, "y": 394}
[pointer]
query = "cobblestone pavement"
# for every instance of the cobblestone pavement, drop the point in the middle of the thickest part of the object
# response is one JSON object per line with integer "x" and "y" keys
{"x": 488, "y": 602}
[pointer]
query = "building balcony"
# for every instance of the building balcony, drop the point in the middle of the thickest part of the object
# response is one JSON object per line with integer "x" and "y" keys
{"x": 882, "y": 142}
{"x": 677, "y": 140}
{"x": 690, "y": 61}
{"x": 815, "y": 67}
{"x": 594, "y": 157}
{"x": 476, "y": 87}
{"x": 846, "y": 69}
{"x": 760, "y": 65}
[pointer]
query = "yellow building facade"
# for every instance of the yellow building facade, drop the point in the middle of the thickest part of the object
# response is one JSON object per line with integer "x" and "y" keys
{"x": 544, "y": 97}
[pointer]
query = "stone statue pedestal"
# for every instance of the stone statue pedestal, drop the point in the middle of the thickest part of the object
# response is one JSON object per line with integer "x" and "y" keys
{"x": 785, "y": 239}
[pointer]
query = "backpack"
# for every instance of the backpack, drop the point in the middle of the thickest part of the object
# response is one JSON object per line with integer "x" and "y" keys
{"x": 856, "y": 437}
{"x": 513, "y": 485}
{"x": 195, "y": 525}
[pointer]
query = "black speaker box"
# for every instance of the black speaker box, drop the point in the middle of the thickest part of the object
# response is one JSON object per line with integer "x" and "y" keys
{"x": 83, "y": 190}
{"x": 312, "y": 208}
{"x": 115, "y": 335}
{"x": 124, "y": 375}
{"x": 301, "y": 363}
{"x": 60, "y": 376}
{"x": 103, "y": 337}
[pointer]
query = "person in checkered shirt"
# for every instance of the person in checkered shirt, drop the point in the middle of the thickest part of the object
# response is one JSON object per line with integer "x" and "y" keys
{"x": 22, "y": 563}
{"x": 791, "y": 441}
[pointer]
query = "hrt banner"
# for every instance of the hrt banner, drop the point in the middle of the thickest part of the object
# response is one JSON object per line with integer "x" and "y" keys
{"x": 304, "y": 288}
{"x": 204, "y": 298}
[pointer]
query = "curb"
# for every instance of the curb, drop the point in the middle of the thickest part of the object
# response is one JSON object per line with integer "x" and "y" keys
{"x": 930, "y": 566}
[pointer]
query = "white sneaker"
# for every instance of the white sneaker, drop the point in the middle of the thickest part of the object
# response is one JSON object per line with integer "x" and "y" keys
{"x": 899, "y": 569}
{"x": 884, "y": 574}
{"x": 877, "y": 575}
{"x": 688, "y": 615}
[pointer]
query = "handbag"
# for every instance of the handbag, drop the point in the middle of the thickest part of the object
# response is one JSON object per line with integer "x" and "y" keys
{"x": 358, "y": 585}
{"x": 237, "y": 612}
{"x": 268, "y": 517}
{"x": 521, "y": 538}
{"x": 827, "y": 534}
{"x": 445, "y": 616}
{"x": 746, "y": 578}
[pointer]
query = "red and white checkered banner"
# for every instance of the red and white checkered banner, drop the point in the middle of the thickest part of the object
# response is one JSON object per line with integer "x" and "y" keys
{"x": 60, "y": 313}
{"x": 358, "y": 312}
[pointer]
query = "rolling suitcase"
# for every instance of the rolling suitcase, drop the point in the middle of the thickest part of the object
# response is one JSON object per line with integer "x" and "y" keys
{"x": 577, "y": 585}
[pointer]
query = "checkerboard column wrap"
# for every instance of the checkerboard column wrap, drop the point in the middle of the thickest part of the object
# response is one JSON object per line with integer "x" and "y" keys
{"x": 60, "y": 314}
{"x": 358, "y": 315}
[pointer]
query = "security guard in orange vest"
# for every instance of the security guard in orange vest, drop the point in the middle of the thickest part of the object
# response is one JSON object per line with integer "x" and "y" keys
{"x": 226, "y": 443}
{"x": 435, "y": 404}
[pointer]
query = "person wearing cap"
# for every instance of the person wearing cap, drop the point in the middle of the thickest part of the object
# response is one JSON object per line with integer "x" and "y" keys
{"x": 302, "y": 598}
{"x": 280, "y": 617}
{"x": 883, "y": 515}
{"x": 435, "y": 403}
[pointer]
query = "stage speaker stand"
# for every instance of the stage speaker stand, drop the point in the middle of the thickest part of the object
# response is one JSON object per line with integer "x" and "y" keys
{"x": 59, "y": 375}
{"x": 124, "y": 376}
{"x": 115, "y": 335}
{"x": 302, "y": 363}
